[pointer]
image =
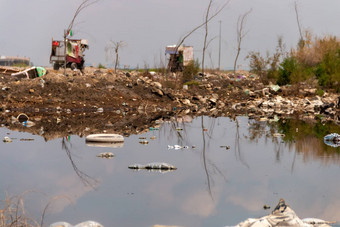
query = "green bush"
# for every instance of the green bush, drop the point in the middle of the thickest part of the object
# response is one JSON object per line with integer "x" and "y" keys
{"x": 190, "y": 71}
{"x": 291, "y": 71}
{"x": 101, "y": 66}
{"x": 328, "y": 71}
{"x": 192, "y": 83}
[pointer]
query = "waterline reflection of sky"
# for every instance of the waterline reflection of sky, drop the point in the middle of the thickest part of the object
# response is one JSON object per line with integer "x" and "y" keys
{"x": 213, "y": 186}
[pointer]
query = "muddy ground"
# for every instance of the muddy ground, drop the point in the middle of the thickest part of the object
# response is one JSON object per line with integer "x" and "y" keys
{"x": 100, "y": 100}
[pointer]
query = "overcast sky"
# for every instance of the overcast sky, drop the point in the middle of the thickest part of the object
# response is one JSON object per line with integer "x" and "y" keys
{"x": 147, "y": 26}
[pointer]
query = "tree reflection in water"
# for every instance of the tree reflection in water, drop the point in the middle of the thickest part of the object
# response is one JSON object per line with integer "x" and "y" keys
{"x": 304, "y": 138}
{"x": 86, "y": 179}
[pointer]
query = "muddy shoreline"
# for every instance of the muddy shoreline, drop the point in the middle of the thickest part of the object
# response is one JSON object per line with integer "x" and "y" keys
{"x": 100, "y": 100}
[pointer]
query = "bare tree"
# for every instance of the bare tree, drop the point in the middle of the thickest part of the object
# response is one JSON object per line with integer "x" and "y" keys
{"x": 240, "y": 34}
{"x": 207, "y": 19}
{"x": 301, "y": 42}
{"x": 81, "y": 7}
{"x": 206, "y": 34}
{"x": 113, "y": 49}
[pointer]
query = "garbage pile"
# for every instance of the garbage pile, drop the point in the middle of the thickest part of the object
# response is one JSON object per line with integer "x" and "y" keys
{"x": 283, "y": 215}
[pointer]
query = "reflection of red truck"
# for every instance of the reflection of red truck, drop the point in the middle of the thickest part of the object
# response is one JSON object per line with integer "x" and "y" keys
{"x": 74, "y": 53}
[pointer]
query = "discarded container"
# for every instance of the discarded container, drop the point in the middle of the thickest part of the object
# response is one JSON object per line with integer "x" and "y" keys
{"x": 105, "y": 138}
{"x": 30, "y": 73}
{"x": 22, "y": 117}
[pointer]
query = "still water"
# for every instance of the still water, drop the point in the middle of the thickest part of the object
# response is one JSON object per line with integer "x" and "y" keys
{"x": 213, "y": 185}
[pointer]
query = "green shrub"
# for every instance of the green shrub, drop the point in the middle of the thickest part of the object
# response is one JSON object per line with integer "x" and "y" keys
{"x": 190, "y": 71}
{"x": 192, "y": 83}
{"x": 328, "y": 71}
{"x": 101, "y": 66}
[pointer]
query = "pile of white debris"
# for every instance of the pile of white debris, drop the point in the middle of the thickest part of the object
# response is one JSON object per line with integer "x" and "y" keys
{"x": 283, "y": 215}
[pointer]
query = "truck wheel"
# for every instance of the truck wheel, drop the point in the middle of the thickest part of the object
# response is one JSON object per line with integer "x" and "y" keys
{"x": 56, "y": 66}
{"x": 73, "y": 66}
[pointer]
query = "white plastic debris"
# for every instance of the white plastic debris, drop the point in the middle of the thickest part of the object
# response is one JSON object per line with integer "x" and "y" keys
{"x": 7, "y": 139}
{"x": 283, "y": 215}
{"x": 153, "y": 166}
{"x": 177, "y": 147}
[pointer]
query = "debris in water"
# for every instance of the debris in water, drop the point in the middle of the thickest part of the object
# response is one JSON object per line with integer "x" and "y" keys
{"x": 177, "y": 147}
{"x": 283, "y": 215}
{"x": 7, "y": 139}
{"x": 144, "y": 142}
{"x": 154, "y": 166}
{"x": 332, "y": 139}
{"x": 107, "y": 155}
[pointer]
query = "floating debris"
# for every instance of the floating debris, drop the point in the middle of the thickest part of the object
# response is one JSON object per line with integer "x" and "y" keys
{"x": 226, "y": 147}
{"x": 266, "y": 207}
{"x": 7, "y": 139}
{"x": 332, "y": 139}
{"x": 177, "y": 147}
{"x": 105, "y": 138}
{"x": 26, "y": 139}
{"x": 153, "y": 166}
{"x": 107, "y": 155}
{"x": 144, "y": 142}
{"x": 283, "y": 215}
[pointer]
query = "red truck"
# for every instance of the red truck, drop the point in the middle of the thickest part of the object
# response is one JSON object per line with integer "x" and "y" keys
{"x": 74, "y": 51}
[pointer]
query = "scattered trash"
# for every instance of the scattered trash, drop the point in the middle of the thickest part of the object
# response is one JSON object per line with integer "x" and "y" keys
{"x": 283, "y": 215}
{"x": 28, "y": 123}
{"x": 7, "y": 139}
{"x": 153, "y": 129}
{"x": 30, "y": 73}
{"x": 107, "y": 155}
{"x": 275, "y": 87}
{"x": 153, "y": 137}
{"x": 154, "y": 165}
{"x": 332, "y": 140}
{"x": 83, "y": 224}
{"x": 105, "y": 138}
{"x": 205, "y": 130}
{"x": 179, "y": 129}
{"x": 142, "y": 138}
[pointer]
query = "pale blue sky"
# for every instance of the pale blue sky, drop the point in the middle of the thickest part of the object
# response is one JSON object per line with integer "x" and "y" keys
{"x": 147, "y": 26}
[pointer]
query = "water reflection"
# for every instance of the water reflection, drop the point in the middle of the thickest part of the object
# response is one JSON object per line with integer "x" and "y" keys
{"x": 212, "y": 186}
